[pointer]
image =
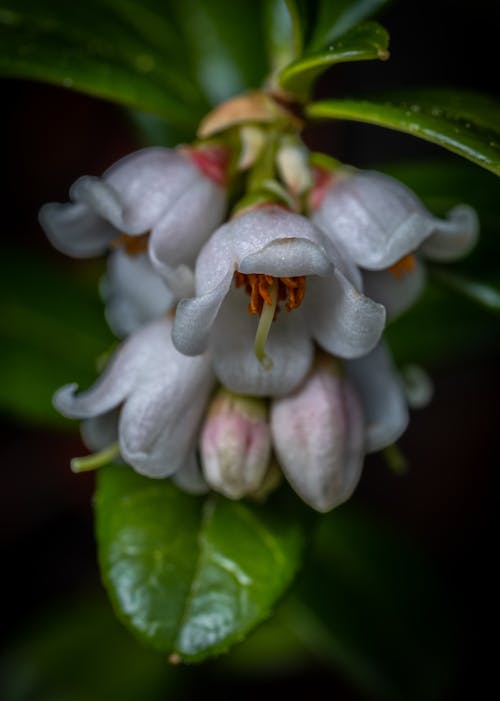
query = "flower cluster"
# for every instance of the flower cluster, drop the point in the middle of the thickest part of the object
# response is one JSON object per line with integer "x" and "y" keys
{"x": 251, "y": 281}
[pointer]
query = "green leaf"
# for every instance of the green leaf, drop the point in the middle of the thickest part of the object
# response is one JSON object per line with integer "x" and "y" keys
{"x": 107, "y": 49}
{"x": 44, "y": 312}
{"x": 78, "y": 651}
{"x": 224, "y": 44}
{"x": 332, "y": 19}
{"x": 189, "y": 575}
{"x": 463, "y": 122}
{"x": 441, "y": 325}
{"x": 364, "y": 42}
{"x": 282, "y": 32}
{"x": 487, "y": 295}
{"x": 371, "y": 605}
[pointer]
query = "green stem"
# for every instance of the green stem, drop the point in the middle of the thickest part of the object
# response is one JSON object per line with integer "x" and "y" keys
{"x": 95, "y": 460}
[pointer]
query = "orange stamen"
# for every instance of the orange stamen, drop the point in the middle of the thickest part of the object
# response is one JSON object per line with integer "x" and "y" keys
{"x": 133, "y": 245}
{"x": 291, "y": 290}
{"x": 403, "y": 266}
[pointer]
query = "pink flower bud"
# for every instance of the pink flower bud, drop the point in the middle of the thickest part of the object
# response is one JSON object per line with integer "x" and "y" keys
{"x": 235, "y": 444}
{"x": 318, "y": 435}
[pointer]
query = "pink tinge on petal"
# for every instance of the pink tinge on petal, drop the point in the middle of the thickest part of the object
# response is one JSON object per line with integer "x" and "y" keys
{"x": 213, "y": 161}
{"x": 322, "y": 182}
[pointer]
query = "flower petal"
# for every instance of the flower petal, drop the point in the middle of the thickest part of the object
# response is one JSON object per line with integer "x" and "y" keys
{"x": 194, "y": 319}
{"x": 160, "y": 419}
{"x": 454, "y": 237}
{"x": 101, "y": 431}
{"x": 288, "y": 346}
{"x": 134, "y": 293}
{"x": 246, "y": 236}
{"x": 189, "y": 477}
{"x": 342, "y": 320}
{"x": 396, "y": 292}
{"x": 382, "y": 396}
{"x": 287, "y": 258}
{"x": 183, "y": 229}
{"x": 137, "y": 191}
{"x": 75, "y": 229}
{"x": 122, "y": 373}
{"x": 318, "y": 434}
{"x": 374, "y": 218}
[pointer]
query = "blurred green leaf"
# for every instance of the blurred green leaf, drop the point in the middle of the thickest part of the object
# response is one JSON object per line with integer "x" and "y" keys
{"x": 108, "y": 49}
{"x": 441, "y": 325}
{"x": 52, "y": 330}
{"x": 364, "y": 42}
{"x": 463, "y": 122}
{"x": 78, "y": 651}
{"x": 190, "y": 575}
{"x": 332, "y": 19}
{"x": 487, "y": 295}
{"x": 283, "y": 36}
{"x": 380, "y": 614}
{"x": 224, "y": 43}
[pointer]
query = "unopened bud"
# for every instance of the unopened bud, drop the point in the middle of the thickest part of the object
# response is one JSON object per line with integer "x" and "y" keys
{"x": 293, "y": 165}
{"x": 235, "y": 444}
{"x": 252, "y": 141}
{"x": 318, "y": 436}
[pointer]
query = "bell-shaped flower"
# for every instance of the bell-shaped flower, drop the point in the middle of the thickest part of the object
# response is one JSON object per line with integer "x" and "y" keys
{"x": 235, "y": 444}
{"x": 152, "y": 398}
{"x": 322, "y": 431}
{"x": 380, "y": 224}
{"x": 278, "y": 258}
{"x": 159, "y": 200}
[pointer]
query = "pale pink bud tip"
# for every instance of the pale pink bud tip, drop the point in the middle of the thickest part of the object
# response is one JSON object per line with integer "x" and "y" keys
{"x": 322, "y": 180}
{"x": 235, "y": 444}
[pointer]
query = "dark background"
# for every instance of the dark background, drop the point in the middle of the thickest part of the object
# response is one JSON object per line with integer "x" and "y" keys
{"x": 448, "y": 503}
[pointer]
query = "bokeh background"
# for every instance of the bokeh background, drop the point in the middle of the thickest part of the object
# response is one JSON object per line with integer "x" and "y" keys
{"x": 445, "y": 506}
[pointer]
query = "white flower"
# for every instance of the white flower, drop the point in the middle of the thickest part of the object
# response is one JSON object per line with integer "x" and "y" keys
{"x": 161, "y": 396}
{"x": 162, "y": 200}
{"x": 379, "y": 224}
{"x": 154, "y": 401}
{"x": 322, "y": 431}
{"x": 276, "y": 255}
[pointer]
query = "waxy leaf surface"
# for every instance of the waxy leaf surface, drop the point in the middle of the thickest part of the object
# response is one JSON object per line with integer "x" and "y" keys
{"x": 191, "y": 575}
{"x": 463, "y": 122}
{"x": 364, "y": 42}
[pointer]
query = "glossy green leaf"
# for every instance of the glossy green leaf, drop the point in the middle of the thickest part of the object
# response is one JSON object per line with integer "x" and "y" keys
{"x": 364, "y": 42}
{"x": 332, "y": 19}
{"x": 371, "y": 605}
{"x": 52, "y": 330}
{"x": 77, "y": 651}
{"x": 461, "y": 121}
{"x": 191, "y": 575}
{"x": 107, "y": 49}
